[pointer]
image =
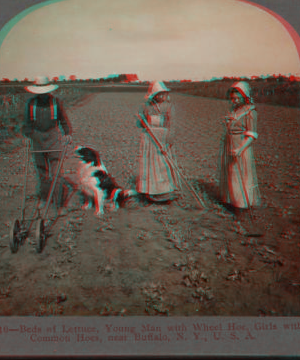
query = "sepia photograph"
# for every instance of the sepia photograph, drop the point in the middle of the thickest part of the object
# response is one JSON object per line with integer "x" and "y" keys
{"x": 149, "y": 174}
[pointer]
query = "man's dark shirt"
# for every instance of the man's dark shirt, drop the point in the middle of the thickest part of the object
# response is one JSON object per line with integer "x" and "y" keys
{"x": 44, "y": 121}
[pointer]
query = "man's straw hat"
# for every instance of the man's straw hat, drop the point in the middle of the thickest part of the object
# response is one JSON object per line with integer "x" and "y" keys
{"x": 41, "y": 86}
{"x": 155, "y": 88}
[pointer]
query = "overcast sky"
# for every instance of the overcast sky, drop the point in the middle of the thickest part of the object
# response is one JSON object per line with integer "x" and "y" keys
{"x": 157, "y": 39}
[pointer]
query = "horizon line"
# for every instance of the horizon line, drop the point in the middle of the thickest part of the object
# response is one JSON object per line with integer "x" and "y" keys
{"x": 112, "y": 78}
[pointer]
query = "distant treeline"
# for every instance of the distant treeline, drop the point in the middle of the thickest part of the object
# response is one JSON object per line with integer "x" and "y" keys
{"x": 120, "y": 78}
{"x": 277, "y": 90}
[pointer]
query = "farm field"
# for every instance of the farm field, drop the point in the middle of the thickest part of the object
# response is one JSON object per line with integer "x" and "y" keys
{"x": 158, "y": 259}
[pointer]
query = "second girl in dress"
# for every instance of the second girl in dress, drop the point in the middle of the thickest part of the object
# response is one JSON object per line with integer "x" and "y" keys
{"x": 238, "y": 181}
{"x": 156, "y": 179}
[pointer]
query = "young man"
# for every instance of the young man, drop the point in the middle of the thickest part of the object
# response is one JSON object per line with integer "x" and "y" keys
{"x": 45, "y": 122}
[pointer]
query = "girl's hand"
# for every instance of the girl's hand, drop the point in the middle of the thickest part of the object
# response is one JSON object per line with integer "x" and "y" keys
{"x": 236, "y": 152}
{"x": 167, "y": 147}
{"x": 228, "y": 119}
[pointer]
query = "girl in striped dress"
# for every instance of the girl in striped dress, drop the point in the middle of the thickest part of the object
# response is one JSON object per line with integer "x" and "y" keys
{"x": 238, "y": 180}
{"x": 156, "y": 178}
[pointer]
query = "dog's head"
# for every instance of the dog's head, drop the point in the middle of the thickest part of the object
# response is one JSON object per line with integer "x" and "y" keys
{"x": 87, "y": 155}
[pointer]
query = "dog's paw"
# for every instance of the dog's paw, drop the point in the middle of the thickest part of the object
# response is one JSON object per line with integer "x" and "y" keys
{"x": 99, "y": 213}
{"x": 114, "y": 207}
{"x": 130, "y": 193}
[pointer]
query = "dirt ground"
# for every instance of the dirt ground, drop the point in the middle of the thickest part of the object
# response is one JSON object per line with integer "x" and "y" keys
{"x": 158, "y": 259}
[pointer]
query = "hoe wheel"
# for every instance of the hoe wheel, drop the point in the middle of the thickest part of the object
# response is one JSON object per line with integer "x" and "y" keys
{"x": 14, "y": 236}
{"x": 40, "y": 236}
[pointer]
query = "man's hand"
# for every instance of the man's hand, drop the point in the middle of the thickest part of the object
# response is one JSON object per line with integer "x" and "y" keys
{"x": 67, "y": 139}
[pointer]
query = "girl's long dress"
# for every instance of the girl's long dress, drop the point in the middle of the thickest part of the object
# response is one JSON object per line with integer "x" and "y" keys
{"x": 156, "y": 177}
{"x": 234, "y": 184}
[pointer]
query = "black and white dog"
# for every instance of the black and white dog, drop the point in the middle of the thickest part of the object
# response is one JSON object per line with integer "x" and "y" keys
{"x": 95, "y": 183}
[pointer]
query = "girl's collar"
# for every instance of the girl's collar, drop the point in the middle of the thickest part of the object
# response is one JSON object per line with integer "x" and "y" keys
{"x": 243, "y": 108}
{"x": 157, "y": 106}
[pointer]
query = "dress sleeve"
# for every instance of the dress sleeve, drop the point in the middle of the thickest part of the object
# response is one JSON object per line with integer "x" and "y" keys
{"x": 251, "y": 124}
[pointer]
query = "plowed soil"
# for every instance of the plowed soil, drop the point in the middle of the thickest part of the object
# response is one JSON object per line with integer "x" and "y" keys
{"x": 154, "y": 259}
